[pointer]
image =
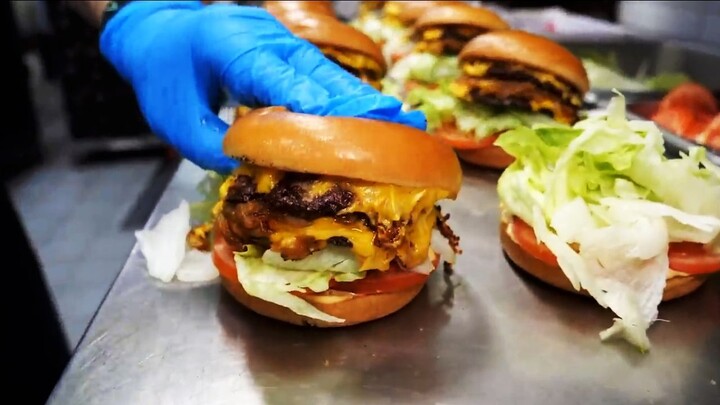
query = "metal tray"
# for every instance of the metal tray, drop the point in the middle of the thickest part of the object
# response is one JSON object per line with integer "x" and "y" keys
{"x": 674, "y": 144}
{"x": 486, "y": 334}
{"x": 635, "y": 55}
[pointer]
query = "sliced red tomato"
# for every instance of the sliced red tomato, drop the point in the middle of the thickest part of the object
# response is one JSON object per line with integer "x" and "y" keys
{"x": 686, "y": 257}
{"x": 450, "y": 134}
{"x": 378, "y": 282}
{"x": 524, "y": 235}
{"x": 693, "y": 258}
{"x": 375, "y": 282}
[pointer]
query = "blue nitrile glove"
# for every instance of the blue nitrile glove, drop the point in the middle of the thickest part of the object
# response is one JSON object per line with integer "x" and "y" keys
{"x": 179, "y": 55}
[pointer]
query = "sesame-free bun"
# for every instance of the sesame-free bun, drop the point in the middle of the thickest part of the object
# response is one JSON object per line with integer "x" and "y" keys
{"x": 528, "y": 49}
{"x": 322, "y": 30}
{"x": 461, "y": 14}
{"x": 676, "y": 287}
{"x": 355, "y": 148}
{"x": 490, "y": 156}
{"x": 409, "y": 11}
{"x": 318, "y": 7}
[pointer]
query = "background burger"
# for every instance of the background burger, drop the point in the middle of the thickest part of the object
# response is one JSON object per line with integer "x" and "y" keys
{"x": 510, "y": 78}
{"x": 330, "y": 221}
{"x": 441, "y": 33}
{"x": 341, "y": 43}
{"x": 392, "y": 26}
{"x": 315, "y": 7}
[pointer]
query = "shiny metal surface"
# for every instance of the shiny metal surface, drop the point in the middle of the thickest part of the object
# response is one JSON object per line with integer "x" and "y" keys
{"x": 486, "y": 334}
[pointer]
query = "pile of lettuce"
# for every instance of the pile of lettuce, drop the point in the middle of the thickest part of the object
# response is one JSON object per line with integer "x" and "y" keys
{"x": 605, "y": 74}
{"x": 605, "y": 185}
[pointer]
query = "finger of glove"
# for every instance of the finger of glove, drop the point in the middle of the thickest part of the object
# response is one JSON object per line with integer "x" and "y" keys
{"x": 263, "y": 78}
{"x": 204, "y": 145}
{"x": 309, "y": 61}
{"x": 376, "y": 106}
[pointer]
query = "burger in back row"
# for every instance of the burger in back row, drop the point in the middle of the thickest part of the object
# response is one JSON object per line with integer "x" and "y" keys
{"x": 508, "y": 79}
{"x": 346, "y": 46}
{"x": 440, "y": 33}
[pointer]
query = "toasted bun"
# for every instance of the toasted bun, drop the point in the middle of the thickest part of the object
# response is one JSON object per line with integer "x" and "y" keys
{"x": 409, "y": 11}
{"x": 322, "y": 30}
{"x": 531, "y": 50}
{"x": 356, "y": 148}
{"x": 492, "y": 156}
{"x": 318, "y": 7}
{"x": 461, "y": 14}
{"x": 354, "y": 309}
{"x": 676, "y": 287}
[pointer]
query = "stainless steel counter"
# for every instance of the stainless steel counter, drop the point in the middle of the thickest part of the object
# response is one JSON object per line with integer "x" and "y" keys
{"x": 486, "y": 334}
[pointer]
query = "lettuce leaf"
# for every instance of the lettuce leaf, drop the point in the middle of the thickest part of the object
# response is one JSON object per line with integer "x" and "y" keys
{"x": 269, "y": 277}
{"x": 481, "y": 120}
{"x": 605, "y": 185}
{"x": 208, "y": 187}
{"x": 272, "y": 284}
{"x": 332, "y": 258}
{"x": 425, "y": 67}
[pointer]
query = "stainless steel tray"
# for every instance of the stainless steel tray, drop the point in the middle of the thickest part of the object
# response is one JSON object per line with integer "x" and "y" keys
{"x": 674, "y": 143}
{"x": 634, "y": 55}
{"x": 486, "y": 334}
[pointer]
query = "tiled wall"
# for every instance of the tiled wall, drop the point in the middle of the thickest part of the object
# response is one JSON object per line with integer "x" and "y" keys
{"x": 694, "y": 21}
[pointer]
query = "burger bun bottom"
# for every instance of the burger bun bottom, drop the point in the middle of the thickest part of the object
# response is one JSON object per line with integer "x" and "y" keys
{"x": 354, "y": 310}
{"x": 676, "y": 287}
{"x": 491, "y": 156}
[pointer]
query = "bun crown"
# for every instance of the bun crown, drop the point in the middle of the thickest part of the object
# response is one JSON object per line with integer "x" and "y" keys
{"x": 318, "y": 7}
{"x": 461, "y": 14}
{"x": 409, "y": 11}
{"x": 355, "y": 148}
{"x": 322, "y": 30}
{"x": 531, "y": 50}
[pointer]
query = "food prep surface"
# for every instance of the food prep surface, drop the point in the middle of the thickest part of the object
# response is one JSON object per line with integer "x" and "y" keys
{"x": 485, "y": 334}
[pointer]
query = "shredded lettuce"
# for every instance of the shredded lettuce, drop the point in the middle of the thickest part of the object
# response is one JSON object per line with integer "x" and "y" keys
{"x": 481, "y": 120}
{"x": 605, "y": 185}
{"x": 332, "y": 258}
{"x": 425, "y": 67}
{"x": 208, "y": 187}
{"x": 269, "y": 277}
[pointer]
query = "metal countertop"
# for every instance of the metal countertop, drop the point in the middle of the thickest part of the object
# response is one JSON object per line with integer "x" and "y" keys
{"x": 486, "y": 334}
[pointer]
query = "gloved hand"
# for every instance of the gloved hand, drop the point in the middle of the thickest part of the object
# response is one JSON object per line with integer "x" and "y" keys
{"x": 179, "y": 55}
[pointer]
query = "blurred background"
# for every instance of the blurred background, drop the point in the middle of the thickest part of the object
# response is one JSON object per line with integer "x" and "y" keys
{"x": 84, "y": 171}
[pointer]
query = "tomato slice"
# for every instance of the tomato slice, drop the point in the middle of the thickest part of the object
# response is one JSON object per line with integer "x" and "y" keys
{"x": 378, "y": 282}
{"x": 450, "y": 134}
{"x": 693, "y": 258}
{"x": 223, "y": 257}
{"x": 375, "y": 282}
{"x": 524, "y": 235}
{"x": 686, "y": 257}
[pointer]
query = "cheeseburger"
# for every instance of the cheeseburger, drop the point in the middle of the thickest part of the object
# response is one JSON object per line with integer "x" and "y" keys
{"x": 391, "y": 27}
{"x": 341, "y": 43}
{"x": 440, "y": 33}
{"x": 331, "y": 221}
{"x": 509, "y": 79}
{"x": 598, "y": 209}
{"x": 314, "y": 7}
